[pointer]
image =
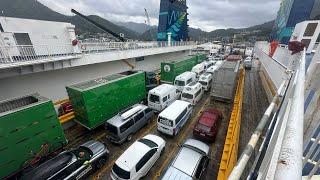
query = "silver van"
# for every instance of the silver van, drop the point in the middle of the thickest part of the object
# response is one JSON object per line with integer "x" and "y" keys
{"x": 122, "y": 126}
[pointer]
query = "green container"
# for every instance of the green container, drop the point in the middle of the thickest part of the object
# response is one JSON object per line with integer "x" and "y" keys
{"x": 96, "y": 101}
{"x": 29, "y": 127}
{"x": 169, "y": 70}
{"x": 201, "y": 58}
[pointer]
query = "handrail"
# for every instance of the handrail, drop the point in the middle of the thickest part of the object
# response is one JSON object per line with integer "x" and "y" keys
{"x": 22, "y": 53}
{"x": 246, "y": 154}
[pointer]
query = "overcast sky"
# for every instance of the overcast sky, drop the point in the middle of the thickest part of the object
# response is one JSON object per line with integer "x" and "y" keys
{"x": 205, "y": 14}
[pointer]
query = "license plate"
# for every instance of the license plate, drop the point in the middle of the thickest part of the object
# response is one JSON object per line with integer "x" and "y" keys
{"x": 202, "y": 134}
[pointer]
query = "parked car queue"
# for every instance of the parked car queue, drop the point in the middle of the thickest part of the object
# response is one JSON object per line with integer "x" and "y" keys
{"x": 138, "y": 159}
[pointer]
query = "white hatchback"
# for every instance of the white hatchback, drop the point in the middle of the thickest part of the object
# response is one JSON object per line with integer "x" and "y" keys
{"x": 138, "y": 159}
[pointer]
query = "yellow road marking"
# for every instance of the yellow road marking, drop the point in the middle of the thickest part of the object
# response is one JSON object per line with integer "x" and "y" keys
{"x": 101, "y": 136}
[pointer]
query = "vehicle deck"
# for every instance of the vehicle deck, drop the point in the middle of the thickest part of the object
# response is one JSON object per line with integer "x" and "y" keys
{"x": 252, "y": 113}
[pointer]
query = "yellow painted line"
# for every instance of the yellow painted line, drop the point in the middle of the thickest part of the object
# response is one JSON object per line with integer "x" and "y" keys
{"x": 67, "y": 117}
{"x": 101, "y": 136}
{"x": 230, "y": 150}
{"x": 61, "y": 101}
{"x": 179, "y": 141}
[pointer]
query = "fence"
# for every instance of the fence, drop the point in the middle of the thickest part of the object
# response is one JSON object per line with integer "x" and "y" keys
{"x": 22, "y": 53}
{"x": 14, "y": 54}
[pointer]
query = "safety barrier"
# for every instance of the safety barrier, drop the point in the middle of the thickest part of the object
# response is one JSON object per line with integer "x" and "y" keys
{"x": 230, "y": 150}
{"x": 22, "y": 53}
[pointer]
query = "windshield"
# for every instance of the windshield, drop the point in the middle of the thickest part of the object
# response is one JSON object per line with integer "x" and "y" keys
{"x": 154, "y": 98}
{"x": 179, "y": 83}
{"x": 186, "y": 95}
{"x": 148, "y": 142}
{"x": 112, "y": 129}
{"x": 166, "y": 122}
{"x": 203, "y": 83}
{"x": 120, "y": 172}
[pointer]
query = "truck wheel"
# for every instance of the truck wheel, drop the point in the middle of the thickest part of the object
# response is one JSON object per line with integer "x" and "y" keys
{"x": 129, "y": 137}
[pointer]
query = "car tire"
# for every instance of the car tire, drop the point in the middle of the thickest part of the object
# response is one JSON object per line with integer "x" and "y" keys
{"x": 129, "y": 137}
{"x": 101, "y": 162}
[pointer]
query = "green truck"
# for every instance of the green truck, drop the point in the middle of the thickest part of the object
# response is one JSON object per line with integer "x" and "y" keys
{"x": 169, "y": 70}
{"x": 96, "y": 101}
{"x": 29, "y": 130}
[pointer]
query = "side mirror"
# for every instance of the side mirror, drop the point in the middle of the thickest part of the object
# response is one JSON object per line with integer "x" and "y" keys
{"x": 87, "y": 163}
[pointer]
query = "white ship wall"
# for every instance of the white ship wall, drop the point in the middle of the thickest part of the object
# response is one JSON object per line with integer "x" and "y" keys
{"x": 52, "y": 84}
{"x": 42, "y": 33}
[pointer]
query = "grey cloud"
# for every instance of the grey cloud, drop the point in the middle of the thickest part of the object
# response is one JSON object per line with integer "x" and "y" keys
{"x": 205, "y": 14}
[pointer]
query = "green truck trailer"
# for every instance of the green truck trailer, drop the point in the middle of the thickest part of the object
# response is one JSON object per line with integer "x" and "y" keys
{"x": 29, "y": 129}
{"x": 96, "y": 101}
{"x": 169, "y": 70}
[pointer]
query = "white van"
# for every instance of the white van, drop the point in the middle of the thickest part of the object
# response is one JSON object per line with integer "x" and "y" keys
{"x": 192, "y": 93}
{"x": 162, "y": 96}
{"x": 184, "y": 79}
{"x": 207, "y": 64}
{"x": 174, "y": 117}
{"x": 215, "y": 67}
{"x": 198, "y": 69}
{"x": 206, "y": 81}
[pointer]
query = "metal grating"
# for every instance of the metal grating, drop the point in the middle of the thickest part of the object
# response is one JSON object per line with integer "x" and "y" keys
{"x": 99, "y": 81}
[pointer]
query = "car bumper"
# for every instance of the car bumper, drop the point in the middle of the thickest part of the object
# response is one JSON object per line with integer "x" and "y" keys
{"x": 203, "y": 136}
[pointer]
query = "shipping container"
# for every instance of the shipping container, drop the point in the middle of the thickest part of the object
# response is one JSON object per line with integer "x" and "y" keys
{"x": 169, "y": 70}
{"x": 96, "y": 101}
{"x": 29, "y": 129}
{"x": 225, "y": 81}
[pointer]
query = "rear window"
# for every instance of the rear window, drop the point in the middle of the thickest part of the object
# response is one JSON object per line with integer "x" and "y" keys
{"x": 203, "y": 83}
{"x": 203, "y": 127}
{"x": 111, "y": 128}
{"x": 179, "y": 83}
{"x": 165, "y": 122}
{"x": 187, "y": 96}
{"x": 154, "y": 98}
{"x": 120, "y": 172}
{"x": 148, "y": 142}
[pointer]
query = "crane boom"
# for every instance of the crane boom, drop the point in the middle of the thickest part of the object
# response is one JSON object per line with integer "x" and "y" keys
{"x": 148, "y": 22}
{"x": 118, "y": 36}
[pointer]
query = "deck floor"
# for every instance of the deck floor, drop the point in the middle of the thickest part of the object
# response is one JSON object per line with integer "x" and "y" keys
{"x": 255, "y": 102}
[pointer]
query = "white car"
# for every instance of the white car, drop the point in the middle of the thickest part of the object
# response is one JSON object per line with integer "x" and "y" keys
{"x": 138, "y": 159}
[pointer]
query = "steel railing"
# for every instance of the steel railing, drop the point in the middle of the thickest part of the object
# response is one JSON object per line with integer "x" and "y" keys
{"x": 281, "y": 156}
{"x": 22, "y": 53}
{"x": 123, "y": 46}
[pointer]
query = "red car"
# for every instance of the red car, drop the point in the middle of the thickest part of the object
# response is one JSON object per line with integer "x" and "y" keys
{"x": 206, "y": 128}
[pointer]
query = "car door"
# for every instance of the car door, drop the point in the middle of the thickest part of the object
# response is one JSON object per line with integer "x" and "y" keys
{"x": 139, "y": 121}
{"x": 202, "y": 168}
{"x": 148, "y": 113}
{"x": 146, "y": 162}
